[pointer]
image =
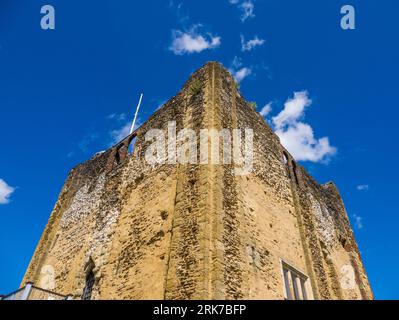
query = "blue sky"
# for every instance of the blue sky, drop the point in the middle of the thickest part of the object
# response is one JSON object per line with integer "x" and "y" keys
{"x": 70, "y": 92}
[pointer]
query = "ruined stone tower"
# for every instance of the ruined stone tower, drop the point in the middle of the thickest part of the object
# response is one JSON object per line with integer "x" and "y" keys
{"x": 132, "y": 230}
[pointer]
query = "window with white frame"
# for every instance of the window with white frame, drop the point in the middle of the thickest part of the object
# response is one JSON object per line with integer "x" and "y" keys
{"x": 295, "y": 283}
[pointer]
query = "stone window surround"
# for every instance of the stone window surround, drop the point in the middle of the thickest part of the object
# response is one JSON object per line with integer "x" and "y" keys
{"x": 299, "y": 273}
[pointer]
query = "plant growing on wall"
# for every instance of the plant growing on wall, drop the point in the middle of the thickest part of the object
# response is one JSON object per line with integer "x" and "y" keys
{"x": 238, "y": 86}
{"x": 196, "y": 87}
{"x": 252, "y": 105}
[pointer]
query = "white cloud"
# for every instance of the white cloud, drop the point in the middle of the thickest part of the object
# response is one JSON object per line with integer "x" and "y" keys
{"x": 192, "y": 41}
{"x": 121, "y": 133}
{"x": 238, "y": 71}
{"x": 251, "y": 44}
{"x": 300, "y": 142}
{"x": 241, "y": 74}
{"x": 298, "y": 137}
{"x": 248, "y": 10}
{"x": 358, "y": 221}
{"x": 5, "y": 192}
{"x": 293, "y": 109}
{"x": 266, "y": 109}
{"x": 363, "y": 187}
{"x": 246, "y": 7}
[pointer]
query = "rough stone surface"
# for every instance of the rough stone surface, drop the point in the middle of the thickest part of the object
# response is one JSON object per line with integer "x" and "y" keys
{"x": 198, "y": 231}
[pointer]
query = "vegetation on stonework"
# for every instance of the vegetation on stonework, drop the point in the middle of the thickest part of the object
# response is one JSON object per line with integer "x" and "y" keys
{"x": 196, "y": 87}
{"x": 238, "y": 86}
{"x": 252, "y": 105}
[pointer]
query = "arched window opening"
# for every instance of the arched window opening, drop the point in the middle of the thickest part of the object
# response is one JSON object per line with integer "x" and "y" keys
{"x": 117, "y": 157}
{"x": 88, "y": 290}
{"x": 285, "y": 158}
{"x": 132, "y": 143}
{"x": 295, "y": 173}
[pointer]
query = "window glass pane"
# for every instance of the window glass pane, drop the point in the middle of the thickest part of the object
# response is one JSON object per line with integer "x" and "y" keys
{"x": 305, "y": 297}
{"x": 295, "y": 286}
{"x": 287, "y": 284}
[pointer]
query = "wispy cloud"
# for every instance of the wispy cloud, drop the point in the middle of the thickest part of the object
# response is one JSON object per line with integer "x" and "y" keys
{"x": 70, "y": 154}
{"x": 266, "y": 109}
{"x": 5, "y": 192}
{"x": 117, "y": 135}
{"x": 117, "y": 116}
{"x": 242, "y": 73}
{"x": 363, "y": 187}
{"x": 177, "y": 8}
{"x": 238, "y": 71}
{"x": 251, "y": 44}
{"x": 246, "y": 7}
{"x": 87, "y": 140}
{"x": 298, "y": 137}
{"x": 358, "y": 220}
{"x": 193, "y": 41}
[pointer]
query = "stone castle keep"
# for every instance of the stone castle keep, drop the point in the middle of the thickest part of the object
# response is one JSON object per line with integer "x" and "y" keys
{"x": 124, "y": 229}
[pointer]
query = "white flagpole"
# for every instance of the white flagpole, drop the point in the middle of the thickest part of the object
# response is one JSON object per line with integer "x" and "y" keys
{"x": 135, "y": 115}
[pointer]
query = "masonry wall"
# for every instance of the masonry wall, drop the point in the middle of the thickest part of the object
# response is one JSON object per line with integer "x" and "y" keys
{"x": 197, "y": 231}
